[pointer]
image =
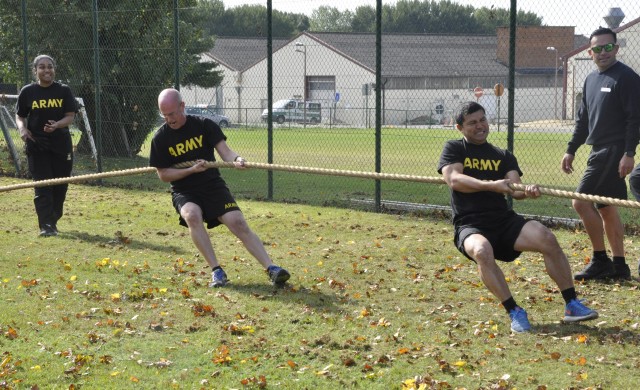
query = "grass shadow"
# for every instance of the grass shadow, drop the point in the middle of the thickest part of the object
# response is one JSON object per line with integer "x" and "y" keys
{"x": 116, "y": 241}
{"x": 596, "y": 334}
{"x": 313, "y": 299}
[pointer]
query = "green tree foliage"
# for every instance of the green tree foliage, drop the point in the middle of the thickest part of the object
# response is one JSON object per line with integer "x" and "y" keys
{"x": 415, "y": 16}
{"x": 214, "y": 17}
{"x": 331, "y": 19}
{"x": 136, "y": 43}
{"x": 10, "y": 43}
{"x": 251, "y": 21}
{"x": 364, "y": 19}
{"x": 490, "y": 18}
{"x": 405, "y": 16}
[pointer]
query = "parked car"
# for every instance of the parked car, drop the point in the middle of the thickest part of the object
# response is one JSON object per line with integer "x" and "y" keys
{"x": 207, "y": 112}
{"x": 292, "y": 110}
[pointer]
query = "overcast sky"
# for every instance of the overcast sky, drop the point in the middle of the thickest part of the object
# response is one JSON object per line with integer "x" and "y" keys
{"x": 585, "y": 15}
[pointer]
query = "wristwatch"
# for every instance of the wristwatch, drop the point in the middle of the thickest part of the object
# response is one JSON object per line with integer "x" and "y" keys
{"x": 630, "y": 153}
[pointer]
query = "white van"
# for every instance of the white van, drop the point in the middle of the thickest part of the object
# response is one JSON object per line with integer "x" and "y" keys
{"x": 292, "y": 110}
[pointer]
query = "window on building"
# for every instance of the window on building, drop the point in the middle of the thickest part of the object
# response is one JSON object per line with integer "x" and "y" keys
{"x": 321, "y": 87}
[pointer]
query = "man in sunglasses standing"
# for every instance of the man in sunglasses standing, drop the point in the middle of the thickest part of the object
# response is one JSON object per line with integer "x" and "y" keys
{"x": 609, "y": 121}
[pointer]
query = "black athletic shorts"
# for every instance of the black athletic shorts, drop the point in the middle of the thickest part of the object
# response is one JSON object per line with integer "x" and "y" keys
{"x": 501, "y": 234}
{"x": 213, "y": 202}
{"x": 601, "y": 176}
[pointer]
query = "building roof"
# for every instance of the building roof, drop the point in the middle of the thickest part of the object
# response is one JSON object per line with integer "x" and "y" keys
{"x": 239, "y": 54}
{"x": 417, "y": 55}
{"x": 579, "y": 41}
{"x": 403, "y": 55}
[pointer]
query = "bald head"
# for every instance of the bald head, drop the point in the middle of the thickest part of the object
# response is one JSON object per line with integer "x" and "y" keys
{"x": 172, "y": 108}
{"x": 169, "y": 95}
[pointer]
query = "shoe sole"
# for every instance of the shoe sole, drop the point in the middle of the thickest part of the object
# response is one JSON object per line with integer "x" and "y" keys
{"x": 601, "y": 278}
{"x": 218, "y": 284}
{"x": 280, "y": 278}
{"x": 597, "y": 277}
{"x": 623, "y": 273}
{"x": 621, "y": 277}
{"x": 591, "y": 316}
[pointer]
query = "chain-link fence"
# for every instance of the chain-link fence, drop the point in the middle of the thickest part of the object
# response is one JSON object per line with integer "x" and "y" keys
{"x": 340, "y": 100}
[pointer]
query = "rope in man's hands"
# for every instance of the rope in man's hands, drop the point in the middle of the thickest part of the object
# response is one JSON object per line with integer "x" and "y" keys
{"x": 317, "y": 171}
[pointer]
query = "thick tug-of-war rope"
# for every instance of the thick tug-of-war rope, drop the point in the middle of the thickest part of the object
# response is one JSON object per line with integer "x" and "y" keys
{"x": 77, "y": 179}
{"x": 317, "y": 171}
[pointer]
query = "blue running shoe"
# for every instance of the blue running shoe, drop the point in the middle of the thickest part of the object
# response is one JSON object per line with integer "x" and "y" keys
{"x": 519, "y": 320}
{"x": 575, "y": 311}
{"x": 218, "y": 278}
{"x": 277, "y": 275}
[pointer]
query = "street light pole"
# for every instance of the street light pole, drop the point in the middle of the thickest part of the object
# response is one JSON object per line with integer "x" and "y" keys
{"x": 555, "y": 83}
{"x": 304, "y": 82}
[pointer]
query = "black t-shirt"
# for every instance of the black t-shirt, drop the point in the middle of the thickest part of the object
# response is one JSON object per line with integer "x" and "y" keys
{"x": 483, "y": 162}
{"x": 39, "y": 105}
{"x": 609, "y": 111}
{"x": 193, "y": 141}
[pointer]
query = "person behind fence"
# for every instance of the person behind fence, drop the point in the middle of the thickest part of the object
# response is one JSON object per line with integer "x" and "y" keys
{"x": 44, "y": 111}
{"x": 609, "y": 121}
{"x": 199, "y": 193}
{"x": 479, "y": 175}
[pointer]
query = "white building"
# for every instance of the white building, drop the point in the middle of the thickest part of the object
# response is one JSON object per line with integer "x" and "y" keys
{"x": 424, "y": 77}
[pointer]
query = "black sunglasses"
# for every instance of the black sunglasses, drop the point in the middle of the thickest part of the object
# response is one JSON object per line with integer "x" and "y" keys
{"x": 608, "y": 47}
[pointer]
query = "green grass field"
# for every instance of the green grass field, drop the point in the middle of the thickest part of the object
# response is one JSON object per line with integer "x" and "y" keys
{"x": 120, "y": 300}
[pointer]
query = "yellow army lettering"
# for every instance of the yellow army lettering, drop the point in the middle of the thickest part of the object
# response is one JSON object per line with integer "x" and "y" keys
{"x": 230, "y": 205}
{"x": 186, "y": 146}
{"x": 43, "y": 103}
{"x": 482, "y": 164}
